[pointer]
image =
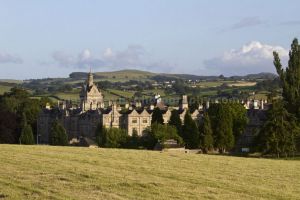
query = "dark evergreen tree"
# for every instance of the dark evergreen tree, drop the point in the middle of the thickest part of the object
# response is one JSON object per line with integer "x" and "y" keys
{"x": 157, "y": 116}
{"x": 290, "y": 82}
{"x": 58, "y": 135}
{"x": 290, "y": 78}
{"x": 222, "y": 124}
{"x": 279, "y": 133}
{"x": 191, "y": 135}
{"x": 99, "y": 134}
{"x": 148, "y": 140}
{"x": 207, "y": 137}
{"x": 8, "y": 127}
{"x": 26, "y": 133}
{"x": 176, "y": 121}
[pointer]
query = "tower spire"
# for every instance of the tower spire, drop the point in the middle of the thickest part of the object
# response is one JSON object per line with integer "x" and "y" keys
{"x": 90, "y": 80}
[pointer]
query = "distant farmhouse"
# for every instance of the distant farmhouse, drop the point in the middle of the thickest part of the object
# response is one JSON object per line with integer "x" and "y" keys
{"x": 82, "y": 121}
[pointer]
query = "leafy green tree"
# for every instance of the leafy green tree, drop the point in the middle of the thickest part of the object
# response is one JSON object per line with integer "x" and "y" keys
{"x": 26, "y": 133}
{"x": 160, "y": 133}
{"x": 278, "y": 134}
{"x": 157, "y": 116}
{"x": 191, "y": 135}
{"x": 176, "y": 121}
{"x": 58, "y": 135}
{"x": 239, "y": 118}
{"x": 112, "y": 137}
{"x": 165, "y": 132}
{"x": 207, "y": 137}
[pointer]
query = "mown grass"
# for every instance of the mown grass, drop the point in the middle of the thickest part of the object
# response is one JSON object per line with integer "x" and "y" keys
{"x": 45, "y": 172}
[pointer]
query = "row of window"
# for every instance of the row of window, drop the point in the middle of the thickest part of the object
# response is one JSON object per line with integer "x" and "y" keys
{"x": 134, "y": 120}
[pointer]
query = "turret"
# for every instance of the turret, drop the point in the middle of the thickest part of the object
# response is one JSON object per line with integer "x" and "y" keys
{"x": 184, "y": 102}
{"x": 262, "y": 104}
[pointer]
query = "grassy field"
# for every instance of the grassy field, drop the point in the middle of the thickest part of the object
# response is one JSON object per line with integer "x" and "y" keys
{"x": 4, "y": 88}
{"x": 209, "y": 84}
{"x": 44, "y": 172}
{"x": 124, "y": 75}
{"x": 125, "y": 94}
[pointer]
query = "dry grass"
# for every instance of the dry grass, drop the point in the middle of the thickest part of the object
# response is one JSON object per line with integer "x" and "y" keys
{"x": 43, "y": 172}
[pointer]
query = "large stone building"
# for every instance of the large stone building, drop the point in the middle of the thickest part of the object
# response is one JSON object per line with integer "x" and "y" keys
{"x": 82, "y": 121}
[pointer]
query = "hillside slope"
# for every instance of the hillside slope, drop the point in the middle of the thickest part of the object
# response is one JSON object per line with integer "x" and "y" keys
{"x": 129, "y": 74}
{"x": 44, "y": 172}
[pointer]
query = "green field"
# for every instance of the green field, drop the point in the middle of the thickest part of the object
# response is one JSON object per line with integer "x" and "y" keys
{"x": 45, "y": 172}
{"x": 4, "y": 88}
{"x": 125, "y": 94}
{"x": 210, "y": 84}
{"x": 124, "y": 75}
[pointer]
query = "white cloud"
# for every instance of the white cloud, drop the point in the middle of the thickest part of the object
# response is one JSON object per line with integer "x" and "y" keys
{"x": 84, "y": 59}
{"x": 9, "y": 58}
{"x": 254, "y": 57}
{"x": 108, "y": 53}
{"x": 133, "y": 57}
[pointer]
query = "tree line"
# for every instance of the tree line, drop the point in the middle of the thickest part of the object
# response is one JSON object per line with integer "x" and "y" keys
{"x": 18, "y": 116}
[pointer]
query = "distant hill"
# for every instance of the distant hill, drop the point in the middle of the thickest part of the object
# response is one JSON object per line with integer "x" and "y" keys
{"x": 262, "y": 75}
{"x": 117, "y": 75}
{"x": 10, "y": 81}
{"x": 123, "y": 75}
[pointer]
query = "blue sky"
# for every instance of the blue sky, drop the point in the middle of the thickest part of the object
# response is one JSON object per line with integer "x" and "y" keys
{"x": 52, "y": 38}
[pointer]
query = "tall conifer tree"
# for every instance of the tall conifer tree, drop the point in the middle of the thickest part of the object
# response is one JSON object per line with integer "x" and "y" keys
{"x": 191, "y": 134}
{"x": 207, "y": 137}
{"x": 26, "y": 133}
{"x": 176, "y": 121}
{"x": 58, "y": 135}
{"x": 290, "y": 78}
